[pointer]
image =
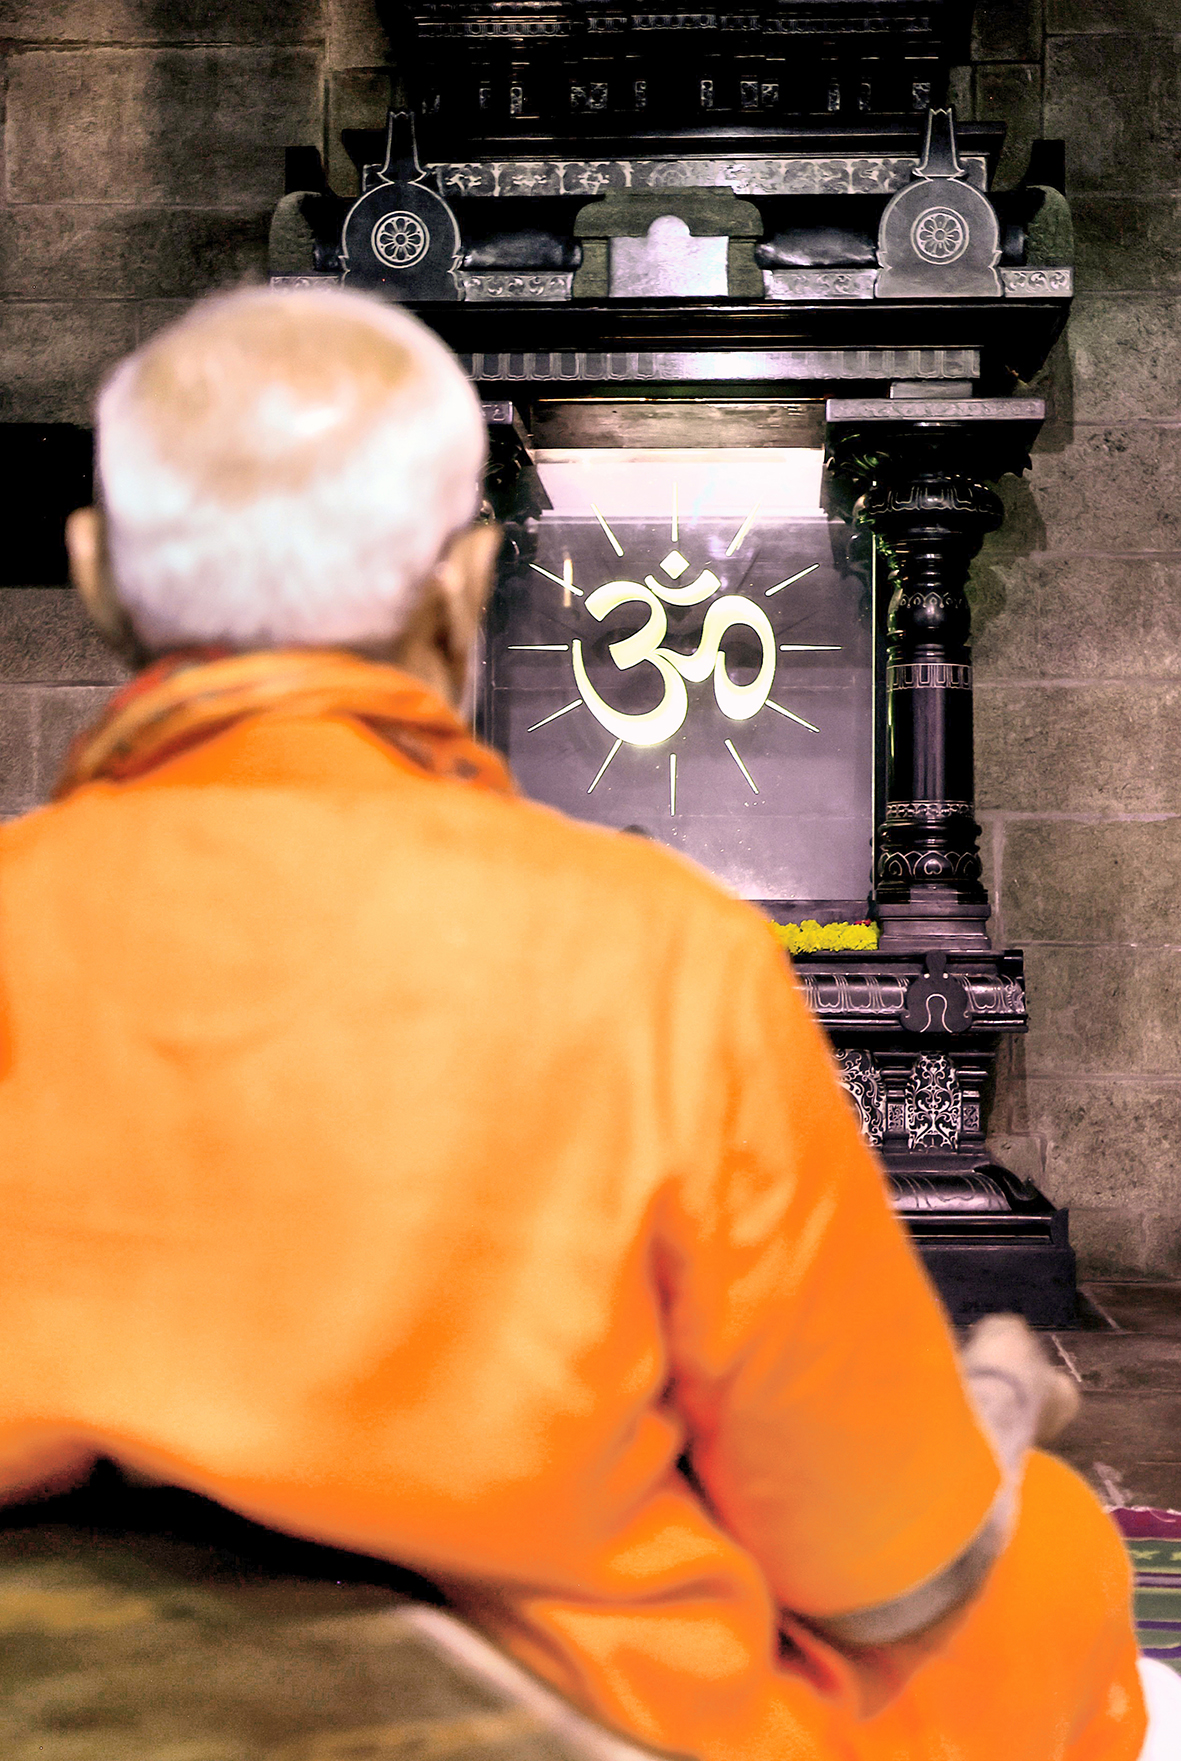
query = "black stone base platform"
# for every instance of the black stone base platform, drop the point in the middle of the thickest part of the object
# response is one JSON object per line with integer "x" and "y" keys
{"x": 916, "y": 1036}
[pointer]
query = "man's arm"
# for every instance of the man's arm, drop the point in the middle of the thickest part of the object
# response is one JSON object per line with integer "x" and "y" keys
{"x": 831, "y": 1428}
{"x": 1020, "y": 1399}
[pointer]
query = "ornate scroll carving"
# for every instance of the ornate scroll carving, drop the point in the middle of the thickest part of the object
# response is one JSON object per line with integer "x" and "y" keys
{"x": 864, "y": 1088}
{"x": 819, "y": 284}
{"x": 934, "y": 1105}
{"x": 997, "y": 996}
{"x": 853, "y": 993}
{"x": 976, "y": 409}
{"x": 927, "y": 812}
{"x": 1038, "y": 284}
{"x": 288, "y": 282}
{"x": 518, "y": 284}
{"x": 957, "y": 1193}
{"x": 805, "y": 175}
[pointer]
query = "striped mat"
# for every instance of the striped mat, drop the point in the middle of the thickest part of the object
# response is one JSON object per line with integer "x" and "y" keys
{"x": 1153, "y": 1539}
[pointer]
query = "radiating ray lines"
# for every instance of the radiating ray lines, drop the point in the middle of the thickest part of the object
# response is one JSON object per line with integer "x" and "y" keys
{"x": 744, "y": 529}
{"x": 779, "y": 709}
{"x": 603, "y": 766}
{"x": 577, "y": 704}
{"x": 798, "y": 576}
{"x": 731, "y": 749}
{"x": 558, "y": 579}
{"x": 615, "y": 544}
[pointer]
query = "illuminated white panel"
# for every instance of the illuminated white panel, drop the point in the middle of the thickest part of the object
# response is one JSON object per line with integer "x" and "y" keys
{"x": 687, "y": 485}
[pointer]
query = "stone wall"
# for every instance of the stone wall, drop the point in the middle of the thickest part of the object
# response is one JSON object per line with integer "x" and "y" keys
{"x": 1078, "y": 643}
{"x": 142, "y": 158}
{"x": 143, "y": 154}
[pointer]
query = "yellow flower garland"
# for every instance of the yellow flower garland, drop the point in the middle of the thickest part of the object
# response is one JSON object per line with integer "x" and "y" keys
{"x": 811, "y": 937}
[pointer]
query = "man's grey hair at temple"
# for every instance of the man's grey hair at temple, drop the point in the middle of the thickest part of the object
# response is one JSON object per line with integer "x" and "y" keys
{"x": 284, "y": 468}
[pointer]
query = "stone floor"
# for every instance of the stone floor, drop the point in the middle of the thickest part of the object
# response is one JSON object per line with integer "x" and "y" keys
{"x": 1127, "y": 1359}
{"x": 146, "y": 1625}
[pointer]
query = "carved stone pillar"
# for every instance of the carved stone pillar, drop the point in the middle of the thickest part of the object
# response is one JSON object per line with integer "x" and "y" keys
{"x": 917, "y": 1022}
{"x": 922, "y": 470}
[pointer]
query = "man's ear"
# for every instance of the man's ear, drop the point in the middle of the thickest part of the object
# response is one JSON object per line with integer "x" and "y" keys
{"x": 464, "y": 576}
{"x": 459, "y": 587}
{"x": 86, "y": 547}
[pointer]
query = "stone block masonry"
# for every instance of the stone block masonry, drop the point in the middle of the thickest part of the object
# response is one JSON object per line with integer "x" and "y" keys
{"x": 140, "y": 161}
{"x": 142, "y": 157}
{"x": 1077, "y": 607}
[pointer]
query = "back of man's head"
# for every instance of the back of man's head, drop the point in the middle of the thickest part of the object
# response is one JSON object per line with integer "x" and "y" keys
{"x": 284, "y": 468}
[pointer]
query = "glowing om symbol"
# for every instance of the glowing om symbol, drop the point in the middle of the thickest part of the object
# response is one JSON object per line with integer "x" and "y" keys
{"x": 738, "y": 702}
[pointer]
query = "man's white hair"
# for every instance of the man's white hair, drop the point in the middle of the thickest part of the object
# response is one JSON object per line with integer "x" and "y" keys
{"x": 284, "y": 468}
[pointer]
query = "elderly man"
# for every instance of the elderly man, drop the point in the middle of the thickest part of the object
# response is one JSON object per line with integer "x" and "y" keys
{"x": 410, "y": 1168}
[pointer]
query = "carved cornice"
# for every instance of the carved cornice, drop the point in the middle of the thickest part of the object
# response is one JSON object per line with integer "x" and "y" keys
{"x": 806, "y": 174}
{"x": 882, "y": 994}
{"x": 904, "y": 411}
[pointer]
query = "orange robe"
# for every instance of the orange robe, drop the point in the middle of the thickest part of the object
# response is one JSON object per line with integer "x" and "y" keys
{"x": 410, "y": 1168}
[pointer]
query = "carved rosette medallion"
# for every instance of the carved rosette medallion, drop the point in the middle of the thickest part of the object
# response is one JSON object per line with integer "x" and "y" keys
{"x": 939, "y": 236}
{"x": 400, "y": 240}
{"x": 934, "y": 1104}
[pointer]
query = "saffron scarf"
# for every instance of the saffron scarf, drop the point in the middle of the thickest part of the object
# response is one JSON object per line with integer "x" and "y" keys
{"x": 194, "y": 694}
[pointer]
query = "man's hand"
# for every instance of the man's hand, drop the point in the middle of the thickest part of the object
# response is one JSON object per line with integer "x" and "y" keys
{"x": 1020, "y": 1396}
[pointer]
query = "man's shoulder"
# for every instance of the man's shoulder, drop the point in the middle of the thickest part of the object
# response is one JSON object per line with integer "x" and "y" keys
{"x": 484, "y": 853}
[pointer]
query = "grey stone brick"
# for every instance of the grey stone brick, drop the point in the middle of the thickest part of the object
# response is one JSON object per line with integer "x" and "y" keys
{"x": 355, "y": 38}
{"x": 1113, "y": 489}
{"x": 1116, "y": 881}
{"x": 1126, "y": 354}
{"x": 46, "y": 637}
{"x": 53, "y": 354}
{"x": 1063, "y": 617}
{"x": 356, "y": 99}
{"x": 1011, "y": 90}
{"x": 153, "y": 315}
{"x": 1108, "y": 1240}
{"x": 1102, "y": 1011}
{"x": 1104, "y": 748}
{"x": 961, "y": 92}
{"x": 1116, "y": 101}
{"x": 1023, "y": 1156}
{"x": 164, "y": 21}
{"x": 62, "y": 711}
{"x": 1008, "y": 30}
{"x": 1127, "y": 242}
{"x": 1141, "y": 17}
{"x": 18, "y": 749}
{"x": 65, "y": 250}
{"x": 1109, "y": 1143}
{"x": 202, "y": 127}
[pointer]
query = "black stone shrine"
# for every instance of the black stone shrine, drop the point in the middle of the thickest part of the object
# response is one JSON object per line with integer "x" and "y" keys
{"x": 705, "y": 230}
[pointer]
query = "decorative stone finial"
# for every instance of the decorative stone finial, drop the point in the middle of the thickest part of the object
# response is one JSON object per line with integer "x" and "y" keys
{"x": 939, "y": 237}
